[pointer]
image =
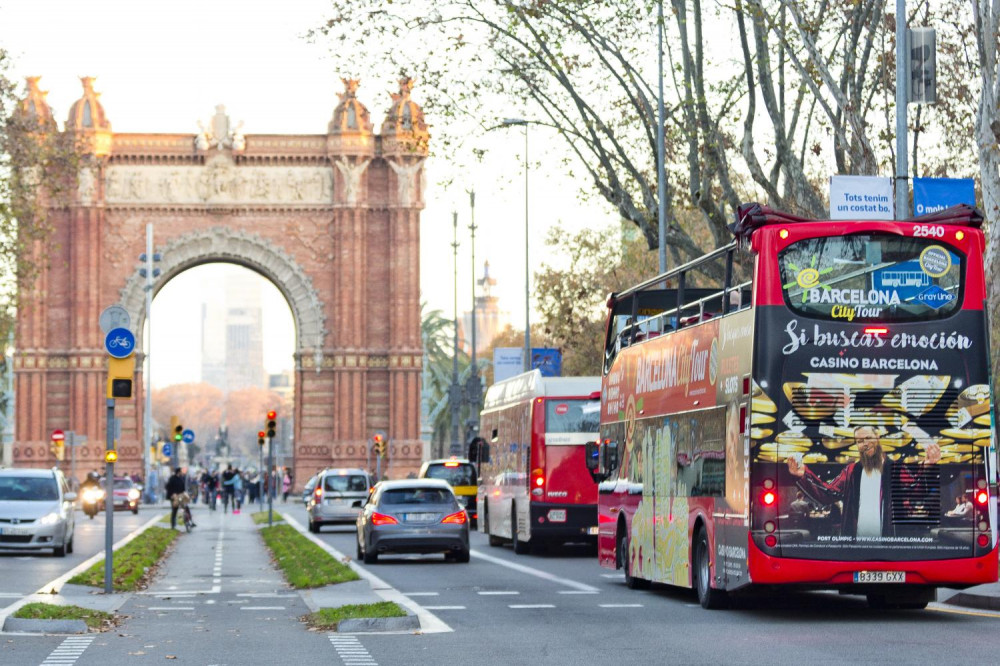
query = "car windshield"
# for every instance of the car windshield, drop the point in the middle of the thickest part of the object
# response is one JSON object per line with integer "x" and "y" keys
{"x": 28, "y": 488}
{"x": 123, "y": 484}
{"x": 346, "y": 483}
{"x": 417, "y": 496}
{"x": 456, "y": 474}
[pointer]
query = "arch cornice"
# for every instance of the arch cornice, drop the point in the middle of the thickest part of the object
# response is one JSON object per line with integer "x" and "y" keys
{"x": 223, "y": 244}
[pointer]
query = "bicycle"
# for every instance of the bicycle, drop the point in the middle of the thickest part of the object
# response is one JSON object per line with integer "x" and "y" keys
{"x": 183, "y": 500}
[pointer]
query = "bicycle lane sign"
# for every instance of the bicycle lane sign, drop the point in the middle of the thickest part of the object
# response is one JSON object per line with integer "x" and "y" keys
{"x": 120, "y": 342}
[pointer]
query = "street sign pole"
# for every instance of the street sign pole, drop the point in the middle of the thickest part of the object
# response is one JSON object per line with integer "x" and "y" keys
{"x": 260, "y": 477}
{"x": 270, "y": 481}
{"x": 71, "y": 439}
{"x": 109, "y": 504}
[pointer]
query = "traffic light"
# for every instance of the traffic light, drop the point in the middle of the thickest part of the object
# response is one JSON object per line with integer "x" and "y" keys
{"x": 58, "y": 449}
{"x": 271, "y": 424}
{"x": 176, "y": 429}
{"x": 260, "y": 437}
{"x": 379, "y": 444}
{"x": 121, "y": 372}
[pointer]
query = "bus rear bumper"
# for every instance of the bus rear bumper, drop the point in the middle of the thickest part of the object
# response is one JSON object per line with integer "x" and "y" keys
{"x": 958, "y": 573}
{"x": 564, "y": 521}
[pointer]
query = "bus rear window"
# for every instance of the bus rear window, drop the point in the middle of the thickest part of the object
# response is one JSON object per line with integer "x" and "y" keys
{"x": 572, "y": 415}
{"x": 868, "y": 278}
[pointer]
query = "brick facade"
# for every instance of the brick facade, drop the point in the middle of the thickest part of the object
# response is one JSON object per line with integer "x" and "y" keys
{"x": 332, "y": 220}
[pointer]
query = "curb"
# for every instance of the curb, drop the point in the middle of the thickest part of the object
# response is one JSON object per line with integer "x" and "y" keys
{"x": 378, "y": 624}
{"x": 35, "y": 626}
{"x": 973, "y": 601}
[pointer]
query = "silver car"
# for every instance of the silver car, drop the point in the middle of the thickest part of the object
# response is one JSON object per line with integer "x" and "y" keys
{"x": 413, "y": 516}
{"x": 36, "y": 510}
{"x": 337, "y": 497}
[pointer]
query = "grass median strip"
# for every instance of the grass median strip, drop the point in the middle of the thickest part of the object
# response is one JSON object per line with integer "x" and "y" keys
{"x": 95, "y": 619}
{"x": 132, "y": 563}
{"x": 327, "y": 619}
{"x": 260, "y": 517}
{"x": 304, "y": 563}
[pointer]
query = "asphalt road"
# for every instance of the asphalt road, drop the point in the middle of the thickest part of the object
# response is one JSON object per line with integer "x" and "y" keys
{"x": 562, "y": 608}
{"x": 24, "y": 572}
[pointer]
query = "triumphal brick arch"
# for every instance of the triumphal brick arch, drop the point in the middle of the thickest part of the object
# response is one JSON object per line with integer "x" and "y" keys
{"x": 331, "y": 219}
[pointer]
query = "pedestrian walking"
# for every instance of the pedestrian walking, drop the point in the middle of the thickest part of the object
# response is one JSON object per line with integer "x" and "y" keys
{"x": 286, "y": 486}
{"x": 228, "y": 488}
{"x": 237, "y": 491}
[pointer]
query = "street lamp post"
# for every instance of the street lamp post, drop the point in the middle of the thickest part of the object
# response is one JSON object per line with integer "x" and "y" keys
{"x": 455, "y": 391}
{"x": 509, "y": 122}
{"x": 473, "y": 386}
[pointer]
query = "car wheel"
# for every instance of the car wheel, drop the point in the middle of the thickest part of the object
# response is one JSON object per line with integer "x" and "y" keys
{"x": 369, "y": 557}
{"x": 708, "y": 596}
{"x": 69, "y": 546}
{"x": 462, "y": 556}
{"x": 312, "y": 526}
{"x": 59, "y": 551}
{"x": 135, "y": 511}
{"x": 359, "y": 554}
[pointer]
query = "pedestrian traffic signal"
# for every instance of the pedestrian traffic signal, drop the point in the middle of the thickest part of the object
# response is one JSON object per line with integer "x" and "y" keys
{"x": 271, "y": 424}
{"x": 260, "y": 438}
{"x": 379, "y": 445}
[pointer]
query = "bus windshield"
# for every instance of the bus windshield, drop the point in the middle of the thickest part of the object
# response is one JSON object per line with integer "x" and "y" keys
{"x": 871, "y": 278}
{"x": 572, "y": 415}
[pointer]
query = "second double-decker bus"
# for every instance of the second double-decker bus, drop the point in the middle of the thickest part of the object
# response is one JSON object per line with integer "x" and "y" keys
{"x": 818, "y": 417}
{"x": 534, "y": 490}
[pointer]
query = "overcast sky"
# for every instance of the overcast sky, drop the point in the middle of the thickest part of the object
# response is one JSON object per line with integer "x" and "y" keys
{"x": 162, "y": 67}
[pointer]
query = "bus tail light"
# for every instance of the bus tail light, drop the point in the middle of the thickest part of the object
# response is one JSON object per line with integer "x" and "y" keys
{"x": 982, "y": 497}
{"x": 770, "y": 541}
{"x": 455, "y": 518}
{"x": 983, "y": 540}
{"x": 769, "y": 527}
{"x": 876, "y": 330}
{"x": 769, "y": 497}
{"x": 382, "y": 519}
{"x": 537, "y": 482}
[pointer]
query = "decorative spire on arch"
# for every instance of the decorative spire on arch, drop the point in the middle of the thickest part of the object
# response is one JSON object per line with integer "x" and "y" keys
{"x": 34, "y": 106}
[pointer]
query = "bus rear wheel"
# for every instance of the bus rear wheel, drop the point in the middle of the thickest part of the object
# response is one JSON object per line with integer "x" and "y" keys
{"x": 631, "y": 582}
{"x": 708, "y": 596}
{"x": 492, "y": 538}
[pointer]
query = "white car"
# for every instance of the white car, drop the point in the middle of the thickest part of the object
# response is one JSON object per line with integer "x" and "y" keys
{"x": 36, "y": 510}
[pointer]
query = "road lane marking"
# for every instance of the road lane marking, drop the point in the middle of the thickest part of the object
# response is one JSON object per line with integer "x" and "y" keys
{"x": 263, "y": 608}
{"x": 530, "y": 606}
{"x": 535, "y": 572}
{"x": 166, "y": 608}
{"x": 69, "y": 650}
{"x": 351, "y": 651}
{"x": 445, "y": 607}
{"x": 497, "y": 593}
{"x": 268, "y": 595}
{"x": 620, "y": 605}
{"x": 617, "y": 575}
{"x": 422, "y": 594}
{"x": 578, "y": 592}
{"x": 429, "y": 623}
{"x": 45, "y": 591}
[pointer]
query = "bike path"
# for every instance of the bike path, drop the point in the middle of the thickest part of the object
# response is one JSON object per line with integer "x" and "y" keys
{"x": 217, "y": 600}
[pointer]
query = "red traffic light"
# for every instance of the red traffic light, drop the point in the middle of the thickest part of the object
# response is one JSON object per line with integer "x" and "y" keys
{"x": 378, "y": 439}
{"x": 271, "y": 415}
{"x": 260, "y": 434}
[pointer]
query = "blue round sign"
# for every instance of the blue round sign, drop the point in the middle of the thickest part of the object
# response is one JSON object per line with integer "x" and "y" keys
{"x": 167, "y": 449}
{"x": 188, "y": 436}
{"x": 120, "y": 342}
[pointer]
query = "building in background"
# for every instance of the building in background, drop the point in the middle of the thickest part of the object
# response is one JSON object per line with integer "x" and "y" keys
{"x": 490, "y": 319}
{"x": 232, "y": 336}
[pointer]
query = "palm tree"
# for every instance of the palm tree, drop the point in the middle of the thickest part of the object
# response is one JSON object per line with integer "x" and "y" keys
{"x": 437, "y": 333}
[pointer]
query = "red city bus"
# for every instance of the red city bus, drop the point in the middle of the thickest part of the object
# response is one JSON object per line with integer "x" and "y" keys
{"x": 534, "y": 490}
{"x": 818, "y": 418}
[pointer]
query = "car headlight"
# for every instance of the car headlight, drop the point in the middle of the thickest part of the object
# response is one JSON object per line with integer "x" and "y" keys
{"x": 133, "y": 494}
{"x": 49, "y": 519}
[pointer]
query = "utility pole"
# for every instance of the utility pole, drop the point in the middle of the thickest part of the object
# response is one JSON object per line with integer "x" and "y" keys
{"x": 661, "y": 178}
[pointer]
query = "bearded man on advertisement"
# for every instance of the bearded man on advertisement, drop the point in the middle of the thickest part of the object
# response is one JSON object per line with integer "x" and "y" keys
{"x": 865, "y": 487}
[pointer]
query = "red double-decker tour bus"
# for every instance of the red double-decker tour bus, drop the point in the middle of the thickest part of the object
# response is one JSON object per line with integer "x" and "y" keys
{"x": 808, "y": 406}
{"x": 534, "y": 490}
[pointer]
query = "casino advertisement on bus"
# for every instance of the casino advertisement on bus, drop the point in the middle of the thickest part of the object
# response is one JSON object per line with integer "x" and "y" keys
{"x": 871, "y": 407}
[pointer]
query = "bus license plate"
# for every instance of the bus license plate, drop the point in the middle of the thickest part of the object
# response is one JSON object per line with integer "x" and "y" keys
{"x": 557, "y": 515}
{"x": 879, "y": 576}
